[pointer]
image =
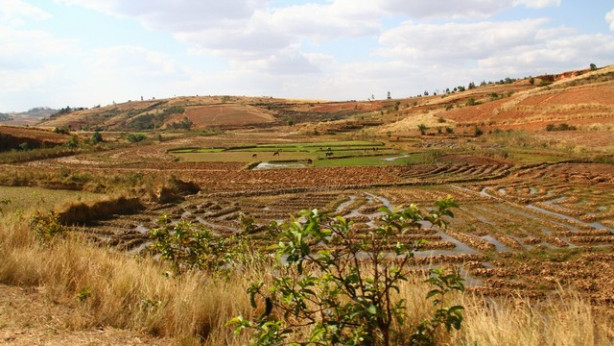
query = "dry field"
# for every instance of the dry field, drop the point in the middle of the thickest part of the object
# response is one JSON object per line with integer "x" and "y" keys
{"x": 226, "y": 115}
{"x": 520, "y": 229}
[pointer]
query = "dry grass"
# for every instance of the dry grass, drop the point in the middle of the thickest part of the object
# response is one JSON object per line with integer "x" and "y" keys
{"x": 519, "y": 321}
{"x": 135, "y": 293}
{"x": 121, "y": 291}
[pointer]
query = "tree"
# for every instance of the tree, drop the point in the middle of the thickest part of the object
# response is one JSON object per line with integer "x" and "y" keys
{"x": 471, "y": 85}
{"x": 73, "y": 142}
{"x": 423, "y": 128}
{"x": 24, "y": 146}
{"x": 135, "y": 137}
{"x": 96, "y": 137}
{"x": 593, "y": 67}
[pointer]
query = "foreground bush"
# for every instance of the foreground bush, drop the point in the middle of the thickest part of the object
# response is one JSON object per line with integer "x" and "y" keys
{"x": 337, "y": 286}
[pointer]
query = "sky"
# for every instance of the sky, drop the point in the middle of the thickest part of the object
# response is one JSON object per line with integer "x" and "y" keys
{"x": 83, "y": 53}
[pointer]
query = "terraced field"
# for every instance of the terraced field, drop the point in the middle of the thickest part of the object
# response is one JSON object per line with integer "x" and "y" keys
{"x": 518, "y": 229}
{"x": 298, "y": 155}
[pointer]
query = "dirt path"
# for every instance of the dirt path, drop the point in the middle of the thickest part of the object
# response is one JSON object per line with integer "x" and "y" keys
{"x": 29, "y": 317}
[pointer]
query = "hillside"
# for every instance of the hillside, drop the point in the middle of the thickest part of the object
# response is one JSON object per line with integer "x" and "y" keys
{"x": 13, "y": 137}
{"x": 220, "y": 112}
{"x": 30, "y": 117}
{"x": 581, "y": 98}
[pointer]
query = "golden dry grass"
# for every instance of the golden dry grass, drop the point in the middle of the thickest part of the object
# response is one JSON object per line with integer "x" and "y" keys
{"x": 518, "y": 321}
{"x": 139, "y": 294}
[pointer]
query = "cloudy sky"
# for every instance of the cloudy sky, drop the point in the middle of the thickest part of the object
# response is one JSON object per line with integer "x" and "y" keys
{"x": 87, "y": 52}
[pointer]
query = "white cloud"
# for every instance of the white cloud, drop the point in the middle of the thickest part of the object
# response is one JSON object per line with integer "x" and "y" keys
{"x": 444, "y": 8}
{"x": 459, "y": 8}
{"x": 29, "y": 58}
{"x": 288, "y": 62}
{"x": 458, "y": 52}
{"x": 538, "y": 3}
{"x": 610, "y": 18}
{"x": 118, "y": 73}
{"x": 253, "y": 39}
{"x": 341, "y": 18}
{"x": 245, "y": 30}
{"x": 17, "y": 12}
{"x": 130, "y": 62}
{"x": 251, "y": 47}
{"x": 176, "y": 16}
{"x": 453, "y": 42}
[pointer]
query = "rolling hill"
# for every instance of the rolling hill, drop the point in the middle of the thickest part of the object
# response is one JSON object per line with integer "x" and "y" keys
{"x": 582, "y": 98}
{"x": 31, "y": 117}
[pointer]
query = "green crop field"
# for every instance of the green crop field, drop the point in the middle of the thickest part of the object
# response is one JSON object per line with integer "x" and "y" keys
{"x": 323, "y": 154}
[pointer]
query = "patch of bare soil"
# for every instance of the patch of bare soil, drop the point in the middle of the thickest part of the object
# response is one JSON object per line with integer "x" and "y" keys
{"x": 224, "y": 115}
{"x": 29, "y": 317}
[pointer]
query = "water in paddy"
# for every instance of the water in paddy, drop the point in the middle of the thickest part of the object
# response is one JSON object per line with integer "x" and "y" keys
{"x": 272, "y": 165}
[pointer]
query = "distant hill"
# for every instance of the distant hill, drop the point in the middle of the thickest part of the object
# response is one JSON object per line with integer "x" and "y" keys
{"x": 200, "y": 112}
{"x": 31, "y": 117}
{"x": 582, "y": 97}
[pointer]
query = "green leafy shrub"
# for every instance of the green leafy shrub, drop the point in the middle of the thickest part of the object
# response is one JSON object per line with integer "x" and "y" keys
{"x": 47, "y": 228}
{"x": 135, "y": 137}
{"x": 184, "y": 124}
{"x": 96, "y": 137}
{"x": 324, "y": 285}
{"x": 423, "y": 128}
{"x": 62, "y": 130}
{"x": 73, "y": 142}
{"x": 188, "y": 247}
{"x": 472, "y": 102}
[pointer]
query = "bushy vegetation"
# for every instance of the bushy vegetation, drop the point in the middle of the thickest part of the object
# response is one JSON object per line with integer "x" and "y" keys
{"x": 326, "y": 291}
{"x": 96, "y": 137}
{"x": 560, "y": 127}
{"x": 135, "y": 137}
{"x": 66, "y": 110}
{"x": 189, "y": 247}
{"x": 184, "y": 124}
{"x": 150, "y": 121}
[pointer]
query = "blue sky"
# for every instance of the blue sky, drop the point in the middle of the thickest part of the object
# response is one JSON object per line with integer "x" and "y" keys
{"x": 88, "y": 52}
